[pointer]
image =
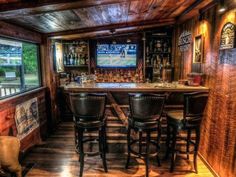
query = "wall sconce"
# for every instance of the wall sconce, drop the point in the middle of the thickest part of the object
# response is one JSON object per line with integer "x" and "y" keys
{"x": 222, "y": 6}
{"x": 200, "y": 18}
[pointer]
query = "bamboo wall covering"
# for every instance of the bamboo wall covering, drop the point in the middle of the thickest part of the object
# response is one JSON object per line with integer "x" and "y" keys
{"x": 218, "y": 134}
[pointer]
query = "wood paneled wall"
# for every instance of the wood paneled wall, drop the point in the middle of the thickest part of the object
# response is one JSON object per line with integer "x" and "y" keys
{"x": 218, "y": 134}
{"x": 7, "y": 117}
{"x": 7, "y": 106}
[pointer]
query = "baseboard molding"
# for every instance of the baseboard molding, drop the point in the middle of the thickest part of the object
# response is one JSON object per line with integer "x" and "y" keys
{"x": 208, "y": 165}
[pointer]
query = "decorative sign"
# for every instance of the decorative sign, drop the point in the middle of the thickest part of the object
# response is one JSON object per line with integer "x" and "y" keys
{"x": 227, "y": 40}
{"x": 198, "y": 49}
{"x": 185, "y": 40}
{"x": 227, "y": 45}
{"x": 26, "y": 117}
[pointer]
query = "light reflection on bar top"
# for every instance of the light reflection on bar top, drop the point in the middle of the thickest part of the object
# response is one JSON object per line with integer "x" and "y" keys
{"x": 129, "y": 85}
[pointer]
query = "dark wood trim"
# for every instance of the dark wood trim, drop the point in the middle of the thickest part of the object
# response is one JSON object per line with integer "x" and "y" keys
{"x": 117, "y": 109}
{"x": 18, "y": 96}
{"x": 209, "y": 6}
{"x": 105, "y": 34}
{"x": 16, "y": 32}
{"x": 190, "y": 8}
{"x": 193, "y": 10}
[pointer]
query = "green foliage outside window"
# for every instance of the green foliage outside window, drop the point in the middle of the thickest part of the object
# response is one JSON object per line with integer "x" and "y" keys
{"x": 30, "y": 58}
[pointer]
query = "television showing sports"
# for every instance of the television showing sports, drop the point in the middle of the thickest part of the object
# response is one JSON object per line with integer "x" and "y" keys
{"x": 116, "y": 55}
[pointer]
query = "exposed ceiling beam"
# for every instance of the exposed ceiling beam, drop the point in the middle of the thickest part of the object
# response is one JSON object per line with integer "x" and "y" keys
{"x": 193, "y": 10}
{"x": 186, "y": 11}
{"x": 106, "y": 33}
{"x": 20, "y": 9}
{"x": 138, "y": 24}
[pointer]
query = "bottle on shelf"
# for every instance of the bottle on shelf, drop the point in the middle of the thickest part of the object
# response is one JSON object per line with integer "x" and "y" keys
{"x": 70, "y": 59}
{"x": 76, "y": 59}
{"x": 65, "y": 59}
{"x": 73, "y": 59}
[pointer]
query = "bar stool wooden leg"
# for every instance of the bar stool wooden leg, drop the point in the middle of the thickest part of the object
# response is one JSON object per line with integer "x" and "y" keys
{"x": 104, "y": 149}
{"x": 140, "y": 142}
{"x": 100, "y": 142}
{"x": 196, "y": 149}
{"x": 167, "y": 141}
{"x": 147, "y": 153}
{"x": 173, "y": 150}
{"x": 76, "y": 139}
{"x": 128, "y": 147}
{"x": 106, "y": 144}
{"x": 188, "y": 141}
{"x": 81, "y": 152}
{"x": 158, "y": 143}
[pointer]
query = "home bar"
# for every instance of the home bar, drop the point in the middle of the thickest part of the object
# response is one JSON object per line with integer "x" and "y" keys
{"x": 117, "y": 88}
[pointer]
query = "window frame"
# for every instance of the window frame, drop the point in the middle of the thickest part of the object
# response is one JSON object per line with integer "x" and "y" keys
{"x": 39, "y": 64}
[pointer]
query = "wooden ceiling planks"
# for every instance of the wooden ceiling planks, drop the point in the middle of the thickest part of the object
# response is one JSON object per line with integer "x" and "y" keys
{"x": 49, "y": 16}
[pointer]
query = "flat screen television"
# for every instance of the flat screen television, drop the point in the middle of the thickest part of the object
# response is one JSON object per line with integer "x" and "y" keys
{"x": 116, "y": 55}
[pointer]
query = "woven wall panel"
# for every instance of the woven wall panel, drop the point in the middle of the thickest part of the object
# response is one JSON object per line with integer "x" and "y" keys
{"x": 218, "y": 133}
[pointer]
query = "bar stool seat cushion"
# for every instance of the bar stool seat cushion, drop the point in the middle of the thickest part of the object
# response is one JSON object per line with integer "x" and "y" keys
{"x": 89, "y": 124}
{"x": 143, "y": 125}
{"x": 175, "y": 118}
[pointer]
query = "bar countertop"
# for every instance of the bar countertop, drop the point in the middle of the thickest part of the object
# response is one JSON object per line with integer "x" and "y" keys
{"x": 131, "y": 87}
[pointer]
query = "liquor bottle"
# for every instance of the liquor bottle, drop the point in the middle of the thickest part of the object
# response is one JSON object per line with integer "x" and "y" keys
{"x": 85, "y": 59}
{"x": 71, "y": 59}
{"x": 76, "y": 59}
{"x": 65, "y": 59}
{"x": 68, "y": 59}
{"x": 151, "y": 46}
{"x": 81, "y": 59}
{"x": 147, "y": 61}
{"x": 159, "y": 46}
{"x": 155, "y": 46}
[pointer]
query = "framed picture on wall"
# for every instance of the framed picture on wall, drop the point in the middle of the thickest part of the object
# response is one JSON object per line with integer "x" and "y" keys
{"x": 198, "y": 49}
{"x": 58, "y": 57}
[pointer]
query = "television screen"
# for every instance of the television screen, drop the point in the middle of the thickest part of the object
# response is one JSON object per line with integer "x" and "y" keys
{"x": 116, "y": 55}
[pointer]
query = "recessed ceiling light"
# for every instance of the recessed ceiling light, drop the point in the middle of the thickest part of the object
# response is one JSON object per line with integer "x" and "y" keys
{"x": 222, "y": 6}
{"x": 222, "y": 9}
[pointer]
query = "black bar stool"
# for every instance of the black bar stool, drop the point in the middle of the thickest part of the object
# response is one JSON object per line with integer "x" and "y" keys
{"x": 189, "y": 120}
{"x": 89, "y": 115}
{"x": 145, "y": 115}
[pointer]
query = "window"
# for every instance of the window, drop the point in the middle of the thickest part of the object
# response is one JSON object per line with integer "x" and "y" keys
{"x": 19, "y": 67}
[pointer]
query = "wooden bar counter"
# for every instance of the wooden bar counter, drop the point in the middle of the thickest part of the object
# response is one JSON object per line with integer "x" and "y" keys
{"x": 117, "y": 93}
{"x": 131, "y": 87}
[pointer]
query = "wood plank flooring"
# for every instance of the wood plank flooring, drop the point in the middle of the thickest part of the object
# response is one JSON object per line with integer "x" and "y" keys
{"x": 56, "y": 157}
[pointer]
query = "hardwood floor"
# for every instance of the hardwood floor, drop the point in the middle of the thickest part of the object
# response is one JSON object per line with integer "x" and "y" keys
{"x": 57, "y": 157}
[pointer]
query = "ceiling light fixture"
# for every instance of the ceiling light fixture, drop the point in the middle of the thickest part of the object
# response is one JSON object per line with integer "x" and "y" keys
{"x": 222, "y": 6}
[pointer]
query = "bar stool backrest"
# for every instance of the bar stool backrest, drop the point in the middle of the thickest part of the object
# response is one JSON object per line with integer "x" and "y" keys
{"x": 146, "y": 106}
{"x": 88, "y": 106}
{"x": 194, "y": 106}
